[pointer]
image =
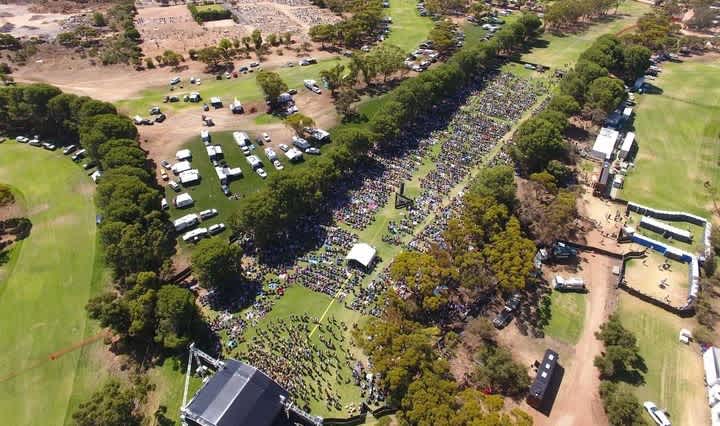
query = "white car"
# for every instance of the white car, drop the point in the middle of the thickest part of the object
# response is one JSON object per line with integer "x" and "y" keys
{"x": 164, "y": 204}
{"x": 22, "y": 139}
{"x": 284, "y": 147}
{"x": 657, "y": 415}
{"x": 261, "y": 172}
{"x": 266, "y": 137}
{"x": 278, "y": 165}
{"x": 175, "y": 81}
{"x": 207, "y": 214}
{"x": 174, "y": 185}
{"x": 312, "y": 150}
{"x": 216, "y": 229}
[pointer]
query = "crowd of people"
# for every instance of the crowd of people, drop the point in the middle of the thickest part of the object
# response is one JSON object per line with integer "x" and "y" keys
{"x": 309, "y": 369}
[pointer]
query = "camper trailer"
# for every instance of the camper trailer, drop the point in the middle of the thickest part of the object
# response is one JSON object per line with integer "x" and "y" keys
{"x": 183, "y": 200}
{"x": 569, "y": 284}
{"x": 241, "y": 138}
{"x": 186, "y": 222}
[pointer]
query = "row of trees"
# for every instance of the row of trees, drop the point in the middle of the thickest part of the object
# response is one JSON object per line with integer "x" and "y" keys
{"x": 228, "y": 49}
{"x": 618, "y": 365}
{"x": 566, "y": 14}
{"x": 364, "y": 22}
{"x": 271, "y": 214}
{"x": 591, "y": 88}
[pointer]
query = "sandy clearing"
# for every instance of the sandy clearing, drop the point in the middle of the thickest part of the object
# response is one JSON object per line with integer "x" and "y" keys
{"x": 24, "y": 23}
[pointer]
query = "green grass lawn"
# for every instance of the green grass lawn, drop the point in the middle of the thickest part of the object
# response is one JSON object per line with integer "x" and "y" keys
{"x": 564, "y": 50}
{"x": 209, "y": 7}
{"x": 677, "y": 134}
{"x": 208, "y": 194}
{"x": 244, "y": 88}
{"x": 568, "y": 316}
{"x": 674, "y": 377}
{"x": 408, "y": 29}
{"x": 697, "y": 232}
{"x": 44, "y": 289}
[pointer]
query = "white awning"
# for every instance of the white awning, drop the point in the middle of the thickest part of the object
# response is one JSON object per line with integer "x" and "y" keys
{"x": 362, "y": 253}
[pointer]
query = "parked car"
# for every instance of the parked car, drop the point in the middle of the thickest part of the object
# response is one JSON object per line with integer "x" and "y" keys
{"x": 514, "y": 303}
{"x": 174, "y": 185}
{"x": 278, "y": 165}
{"x": 292, "y": 91}
{"x": 22, "y": 139}
{"x": 658, "y": 416}
{"x": 89, "y": 165}
{"x": 48, "y": 146}
{"x": 503, "y": 318}
{"x": 226, "y": 190}
{"x": 160, "y": 118}
{"x": 165, "y": 164}
{"x": 207, "y": 214}
{"x": 284, "y": 147}
{"x": 265, "y": 137}
{"x": 261, "y": 172}
{"x": 216, "y": 229}
{"x": 164, "y": 204}
{"x": 163, "y": 174}
{"x": 254, "y": 65}
{"x": 313, "y": 151}
{"x": 69, "y": 149}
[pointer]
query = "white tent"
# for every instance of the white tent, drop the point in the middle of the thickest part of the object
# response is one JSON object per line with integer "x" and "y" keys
{"x": 627, "y": 144}
{"x": 362, "y": 253}
{"x": 183, "y": 200}
{"x": 189, "y": 176}
{"x": 605, "y": 143}
{"x": 293, "y": 154}
{"x": 183, "y": 154}
{"x": 711, "y": 362}
{"x": 214, "y": 151}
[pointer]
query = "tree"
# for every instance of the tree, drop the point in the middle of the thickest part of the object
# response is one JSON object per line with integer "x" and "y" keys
{"x": 112, "y": 405}
{"x": 443, "y": 36}
{"x": 323, "y": 33}
{"x": 497, "y": 370}
{"x": 271, "y": 84}
{"x": 257, "y": 39}
{"x": 536, "y": 143}
{"x": 430, "y": 400}
{"x": 387, "y": 59}
{"x": 636, "y": 59}
{"x": 297, "y": 122}
{"x": 344, "y": 101}
{"x": 510, "y": 256}
{"x": 621, "y": 351}
{"x": 565, "y": 104}
{"x": 210, "y": 56}
{"x": 497, "y": 182}
{"x": 621, "y": 405}
{"x": 171, "y": 58}
{"x": 428, "y": 280}
{"x": 217, "y": 263}
{"x": 334, "y": 77}
{"x": 177, "y": 317}
{"x": 604, "y": 95}
{"x": 8, "y": 42}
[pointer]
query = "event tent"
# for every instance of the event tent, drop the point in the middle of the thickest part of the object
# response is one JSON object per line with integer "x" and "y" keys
{"x": 362, "y": 253}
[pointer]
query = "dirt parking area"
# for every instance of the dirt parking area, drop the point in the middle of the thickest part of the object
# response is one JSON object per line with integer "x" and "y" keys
{"x": 21, "y": 22}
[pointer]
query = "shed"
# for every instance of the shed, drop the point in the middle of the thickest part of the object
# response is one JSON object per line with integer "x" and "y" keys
{"x": 604, "y": 144}
{"x": 362, "y": 253}
{"x": 183, "y": 154}
{"x": 183, "y": 200}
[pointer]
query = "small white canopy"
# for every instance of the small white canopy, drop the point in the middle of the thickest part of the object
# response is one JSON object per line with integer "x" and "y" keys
{"x": 362, "y": 253}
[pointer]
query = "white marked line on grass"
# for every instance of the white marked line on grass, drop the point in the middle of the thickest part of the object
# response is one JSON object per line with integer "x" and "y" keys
{"x": 322, "y": 317}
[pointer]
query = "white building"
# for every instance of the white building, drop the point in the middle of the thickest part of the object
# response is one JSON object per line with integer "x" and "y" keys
{"x": 605, "y": 144}
{"x": 627, "y": 145}
{"x": 189, "y": 176}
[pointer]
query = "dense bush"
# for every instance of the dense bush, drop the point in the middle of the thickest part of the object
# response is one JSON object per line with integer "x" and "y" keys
{"x": 202, "y": 14}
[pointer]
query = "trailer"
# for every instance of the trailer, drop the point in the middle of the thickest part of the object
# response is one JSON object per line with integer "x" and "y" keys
{"x": 569, "y": 284}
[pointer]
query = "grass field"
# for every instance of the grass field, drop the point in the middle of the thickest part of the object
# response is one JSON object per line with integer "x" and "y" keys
{"x": 677, "y": 133}
{"x": 245, "y": 88}
{"x": 45, "y": 288}
{"x": 568, "y": 316}
{"x": 564, "y": 50}
{"x": 698, "y": 233}
{"x": 209, "y": 7}
{"x": 674, "y": 377}
{"x": 408, "y": 28}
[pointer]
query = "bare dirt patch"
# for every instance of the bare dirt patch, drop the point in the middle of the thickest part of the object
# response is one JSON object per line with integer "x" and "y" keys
{"x": 21, "y": 22}
{"x": 665, "y": 283}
